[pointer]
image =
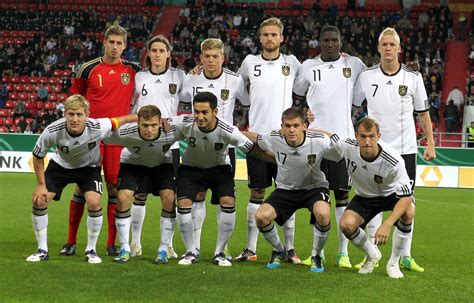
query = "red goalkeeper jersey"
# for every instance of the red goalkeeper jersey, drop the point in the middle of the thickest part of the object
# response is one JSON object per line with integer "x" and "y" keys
{"x": 108, "y": 88}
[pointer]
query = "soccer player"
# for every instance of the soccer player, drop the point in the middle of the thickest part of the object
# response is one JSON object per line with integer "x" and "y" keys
{"x": 107, "y": 82}
{"x": 269, "y": 76}
{"x": 206, "y": 165}
{"x": 300, "y": 183}
{"x": 382, "y": 184}
{"x": 160, "y": 85}
{"x": 227, "y": 87}
{"x": 145, "y": 159}
{"x": 77, "y": 160}
{"x": 328, "y": 81}
{"x": 393, "y": 94}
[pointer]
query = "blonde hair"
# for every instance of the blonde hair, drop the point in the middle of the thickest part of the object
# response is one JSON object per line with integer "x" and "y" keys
{"x": 212, "y": 43}
{"x": 75, "y": 102}
{"x": 116, "y": 30}
{"x": 390, "y": 31}
{"x": 161, "y": 39}
{"x": 271, "y": 21}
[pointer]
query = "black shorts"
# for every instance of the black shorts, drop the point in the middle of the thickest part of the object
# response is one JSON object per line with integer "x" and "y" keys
{"x": 57, "y": 177}
{"x": 176, "y": 160}
{"x": 286, "y": 202}
{"x": 336, "y": 174}
{"x": 218, "y": 179}
{"x": 144, "y": 180}
{"x": 260, "y": 173}
{"x": 368, "y": 208}
{"x": 232, "y": 155}
{"x": 410, "y": 166}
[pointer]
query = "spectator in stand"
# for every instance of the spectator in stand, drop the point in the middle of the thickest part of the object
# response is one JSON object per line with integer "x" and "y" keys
{"x": 28, "y": 130}
{"x": 470, "y": 135}
{"x": 456, "y": 96}
{"x": 462, "y": 26}
{"x": 43, "y": 93}
{"x": 451, "y": 117}
{"x": 20, "y": 109}
{"x": 22, "y": 124}
{"x": 435, "y": 103}
{"x": 3, "y": 94}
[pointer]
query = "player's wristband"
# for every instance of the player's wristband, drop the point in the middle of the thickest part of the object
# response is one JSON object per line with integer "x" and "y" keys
{"x": 115, "y": 123}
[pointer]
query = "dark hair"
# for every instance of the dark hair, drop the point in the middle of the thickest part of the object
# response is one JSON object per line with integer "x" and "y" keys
{"x": 161, "y": 39}
{"x": 330, "y": 28}
{"x": 148, "y": 111}
{"x": 206, "y": 97}
{"x": 368, "y": 123}
{"x": 293, "y": 112}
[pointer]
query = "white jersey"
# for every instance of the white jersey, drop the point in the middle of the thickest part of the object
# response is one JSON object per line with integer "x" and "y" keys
{"x": 209, "y": 149}
{"x": 329, "y": 89}
{"x": 270, "y": 89}
{"x": 139, "y": 151}
{"x": 227, "y": 87}
{"x": 73, "y": 151}
{"x": 299, "y": 166}
{"x": 391, "y": 100}
{"x": 380, "y": 178}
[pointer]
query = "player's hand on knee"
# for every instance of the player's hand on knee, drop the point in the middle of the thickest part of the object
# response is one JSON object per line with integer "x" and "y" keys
{"x": 381, "y": 236}
{"x": 40, "y": 195}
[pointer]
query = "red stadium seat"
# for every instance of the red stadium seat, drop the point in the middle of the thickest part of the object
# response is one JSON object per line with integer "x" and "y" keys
{"x": 28, "y": 87}
{"x": 48, "y": 105}
{"x": 58, "y": 88}
{"x": 18, "y": 87}
{"x": 3, "y": 129}
{"x": 53, "y": 97}
{"x": 9, "y": 104}
{"x": 13, "y": 96}
{"x": 39, "y": 104}
{"x": 1, "y": 121}
{"x": 15, "y": 79}
{"x": 23, "y": 96}
{"x": 10, "y": 86}
{"x": 4, "y": 112}
{"x": 63, "y": 97}
{"x": 8, "y": 121}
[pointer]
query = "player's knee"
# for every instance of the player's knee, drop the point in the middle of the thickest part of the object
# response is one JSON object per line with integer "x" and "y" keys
{"x": 201, "y": 196}
{"x": 185, "y": 203}
{"x": 257, "y": 193}
{"x": 341, "y": 195}
{"x": 262, "y": 218}
{"x": 408, "y": 215}
{"x": 140, "y": 198}
{"x": 40, "y": 202}
{"x": 227, "y": 201}
{"x": 168, "y": 203}
{"x": 348, "y": 225}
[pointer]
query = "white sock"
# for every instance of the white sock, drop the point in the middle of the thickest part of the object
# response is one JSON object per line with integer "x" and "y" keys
{"x": 185, "y": 225}
{"x": 252, "y": 230}
{"x": 289, "y": 232}
{"x": 373, "y": 226}
{"x": 94, "y": 224}
{"x": 166, "y": 232}
{"x": 138, "y": 217}
{"x": 123, "y": 231}
{"x": 399, "y": 242}
{"x": 270, "y": 233}
{"x": 199, "y": 214}
{"x": 362, "y": 241}
{"x": 343, "y": 241}
{"x": 40, "y": 226}
{"x": 225, "y": 226}
{"x": 407, "y": 251}
{"x": 321, "y": 235}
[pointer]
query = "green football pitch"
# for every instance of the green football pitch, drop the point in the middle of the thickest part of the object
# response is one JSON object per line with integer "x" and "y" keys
{"x": 443, "y": 245}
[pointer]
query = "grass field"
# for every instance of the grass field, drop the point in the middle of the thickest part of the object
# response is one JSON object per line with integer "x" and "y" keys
{"x": 443, "y": 244}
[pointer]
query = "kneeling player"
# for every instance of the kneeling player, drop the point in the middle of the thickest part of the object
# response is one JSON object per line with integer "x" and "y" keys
{"x": 77, "y": 160}
{"x": 381, "y": 184}
{"x": 145, "y": 167}
{"x": 300, "y": 183}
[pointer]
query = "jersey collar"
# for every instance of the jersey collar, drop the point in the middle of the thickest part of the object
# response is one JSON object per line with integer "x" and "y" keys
{"x": 214, "y": 78}
{"x": 157, "y": 74}
{"x": 271, "y": 59}
{"x": 394, "y": 74}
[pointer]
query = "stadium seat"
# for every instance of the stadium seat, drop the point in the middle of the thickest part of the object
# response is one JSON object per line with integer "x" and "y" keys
{"x": 39, "y": 104}
{"x": 9, "y": 104}
{"x": 18, "y": 87}
{"x": 53, "y": 97}
{"x": 13, "y": 96}
{"x": 8, "y": 121}
{"x": 58, "y": 88}
{"x": 1, "y": 121}
{"x": 48, "y": 105}
{"x": 4, "y": 112}
{"x": 23, "y": 96}
{"x": 63, "y": 97}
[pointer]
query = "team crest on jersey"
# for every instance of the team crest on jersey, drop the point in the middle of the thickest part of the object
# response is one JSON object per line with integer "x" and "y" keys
{"x": 347, "y": 72}
{"x": 402, "y": 90}
{"x": 166, "y": 147}
{"x": 218, "y": 146}
{"x": 172, "y": 88}
{"x": 91, "y": 145}
{"x": 125, "y": 78}
{"x": 312, "y": 159}
{"x": 64, "y": 149}
{"x": 378, "y": 179}
{"x": 224, "y": 94}
{"x": 285, "y": 69}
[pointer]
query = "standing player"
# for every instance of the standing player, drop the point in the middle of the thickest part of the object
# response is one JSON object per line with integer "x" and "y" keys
{"x": 206, "y": 165}
{"x": 328, "y": 82}
{"x": 227, "y": 87}
{"x": 107, "y": 82}
{"x": 145, "y": 158}
{"x": 269, "y": 76}
{"x": 160, "y": 85}
{"x": 393, "y": 94}
{"x": 300, "y": 184}
{"x": 382, "y": 184}
{"x": 77, "y": 160}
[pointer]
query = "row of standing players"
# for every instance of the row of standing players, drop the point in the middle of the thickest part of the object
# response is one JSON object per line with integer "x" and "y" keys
{"x": 265, "y": 82}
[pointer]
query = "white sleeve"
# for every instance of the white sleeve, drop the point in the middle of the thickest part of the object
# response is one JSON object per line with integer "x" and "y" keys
{"x": 241, "y": 141}
{"x": 243, "y": 70}
{"x": 105, "y": 127}
{"x": 359, "y": 95}
{"x": 329, "y": 151}
{"x": 241, "y": 92}
{"x": 43, "y": 144}
{"x": 176, "y": 126}
{"x": 402, "y": 181}
{"x": 186, "y": 95}
{"x": 113, "y": 137}
{"x": 336, "y": 150}
{"x": 420, "y": 99}
{"x": 301, "y": 84}
{"x": 264, "y": 142}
